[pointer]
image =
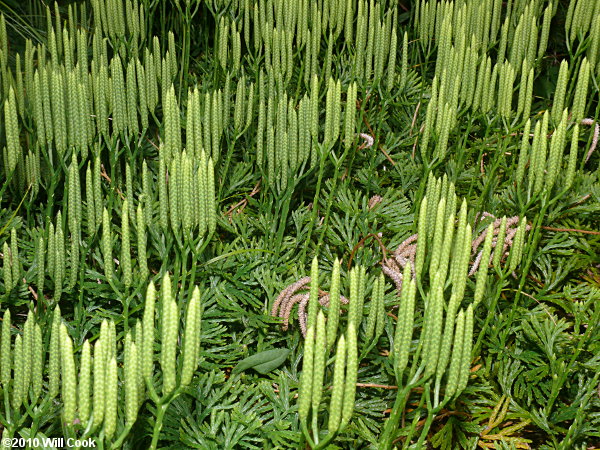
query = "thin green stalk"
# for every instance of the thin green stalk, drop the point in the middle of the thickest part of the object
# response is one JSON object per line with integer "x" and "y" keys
{"x": 490, "y": 176}
{"x": 461, "y": 158}
{"x": 14, "y": 214}
{"x": 315, "y": 207}
{"x": 534, "y": 239}
{"x": 338, "y": 164}
{"x": 415, "y": 422}
{"x": 230, "y": 148}
{"x": 39, "y": 413}
{"x": 325, "y": 442}
{"x": 306, "y": 434}
{"x": 7, "y": 411}
{"x": 161, "y": 408}
{"x": 185, "y": 52}
{"x": 391, "y": 425}
{"x": 184, "y": 272}
{"x": 283, "y": 214}
{"x": 430, "y": 416}
{"x": 119, "y": 442}
{"x": 488, "y": 318}
{"x": 315, "y": 428}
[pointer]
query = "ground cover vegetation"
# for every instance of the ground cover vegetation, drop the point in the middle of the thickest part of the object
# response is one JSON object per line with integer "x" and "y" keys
{"x": 307, "y": 224}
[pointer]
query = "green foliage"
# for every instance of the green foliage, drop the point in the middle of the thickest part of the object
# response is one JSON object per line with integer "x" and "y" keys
{"x": 214, "y": 148}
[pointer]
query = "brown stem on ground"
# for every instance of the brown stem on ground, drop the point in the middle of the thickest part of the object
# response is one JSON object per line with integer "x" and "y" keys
{"x": 373, "y": 385}
{"x": 389, "y": 158}
{"x": 574, "y": 230}
{"x": 105, "y": 176}
{"x": 242, "y": 203}
{"x": 361, "y": 243}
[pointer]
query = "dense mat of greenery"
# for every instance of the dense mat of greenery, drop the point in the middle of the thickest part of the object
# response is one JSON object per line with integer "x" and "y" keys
{"x": 171, "y": 168}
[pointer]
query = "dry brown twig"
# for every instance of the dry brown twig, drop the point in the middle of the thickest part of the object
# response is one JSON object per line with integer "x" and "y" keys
{"x": 104, "y": 175}
{"x": 414, "y": 149}
{"x": 372, "y": 134}
{"x": 573, "y": 230}
{"x": 242, "y": 203}
{"x": 414, "y": 119}
{"x": 377, "y": 237}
